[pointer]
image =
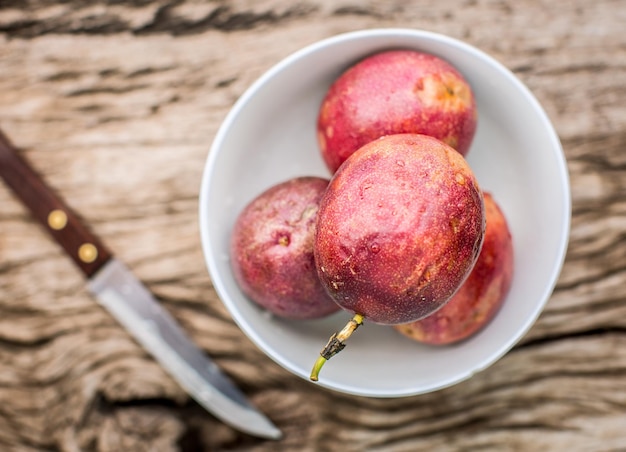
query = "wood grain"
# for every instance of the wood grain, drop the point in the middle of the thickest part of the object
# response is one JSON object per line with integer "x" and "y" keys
{"x": 63, "y": 224}
{"x": 116, "y": 104}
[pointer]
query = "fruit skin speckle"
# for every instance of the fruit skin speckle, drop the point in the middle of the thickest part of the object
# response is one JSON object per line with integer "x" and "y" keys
{"x": 395, "y": 241}
{"x": 272, "y": 250}
{"x": 482, "y": 294}
{"x": 393, "y": 92}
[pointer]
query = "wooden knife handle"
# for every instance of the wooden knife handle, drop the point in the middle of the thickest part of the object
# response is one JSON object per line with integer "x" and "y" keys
{"x": 62, "y": 224}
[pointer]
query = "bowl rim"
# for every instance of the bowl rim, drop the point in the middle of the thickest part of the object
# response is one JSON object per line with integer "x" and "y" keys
{"x": 210, "y": 254}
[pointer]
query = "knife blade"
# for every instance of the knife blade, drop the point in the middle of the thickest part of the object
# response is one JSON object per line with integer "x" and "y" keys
{"x": 131, "y": 303}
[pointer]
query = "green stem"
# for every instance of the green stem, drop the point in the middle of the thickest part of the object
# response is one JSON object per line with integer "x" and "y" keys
{"x": 335, "y": 344}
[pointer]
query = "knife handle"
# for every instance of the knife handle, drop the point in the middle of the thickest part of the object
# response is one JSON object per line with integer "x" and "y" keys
{"x": 58, "y": 219}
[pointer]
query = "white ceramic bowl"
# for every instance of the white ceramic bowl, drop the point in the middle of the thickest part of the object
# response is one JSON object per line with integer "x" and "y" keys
{"x": 270, "y": 136}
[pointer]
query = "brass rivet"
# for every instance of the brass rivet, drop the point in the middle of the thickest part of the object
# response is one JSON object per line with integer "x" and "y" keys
{"x": 57, "y": 219}
{"x": 87, "y": 253}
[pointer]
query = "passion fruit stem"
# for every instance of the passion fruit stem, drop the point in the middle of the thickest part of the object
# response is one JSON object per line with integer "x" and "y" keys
{"x": 335, "y": 344}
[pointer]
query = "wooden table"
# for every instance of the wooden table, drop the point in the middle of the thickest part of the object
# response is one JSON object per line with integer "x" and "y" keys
{"x": 116, "y": 104}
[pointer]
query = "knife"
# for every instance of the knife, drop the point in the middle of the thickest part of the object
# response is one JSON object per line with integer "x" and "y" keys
{"x": 129, "y": 301}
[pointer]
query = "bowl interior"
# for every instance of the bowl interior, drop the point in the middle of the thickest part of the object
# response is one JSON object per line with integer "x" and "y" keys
{"x": 269, "y": 136}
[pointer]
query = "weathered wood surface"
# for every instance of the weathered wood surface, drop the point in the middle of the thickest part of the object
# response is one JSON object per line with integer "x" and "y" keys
{"x": 116, "y": 104}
